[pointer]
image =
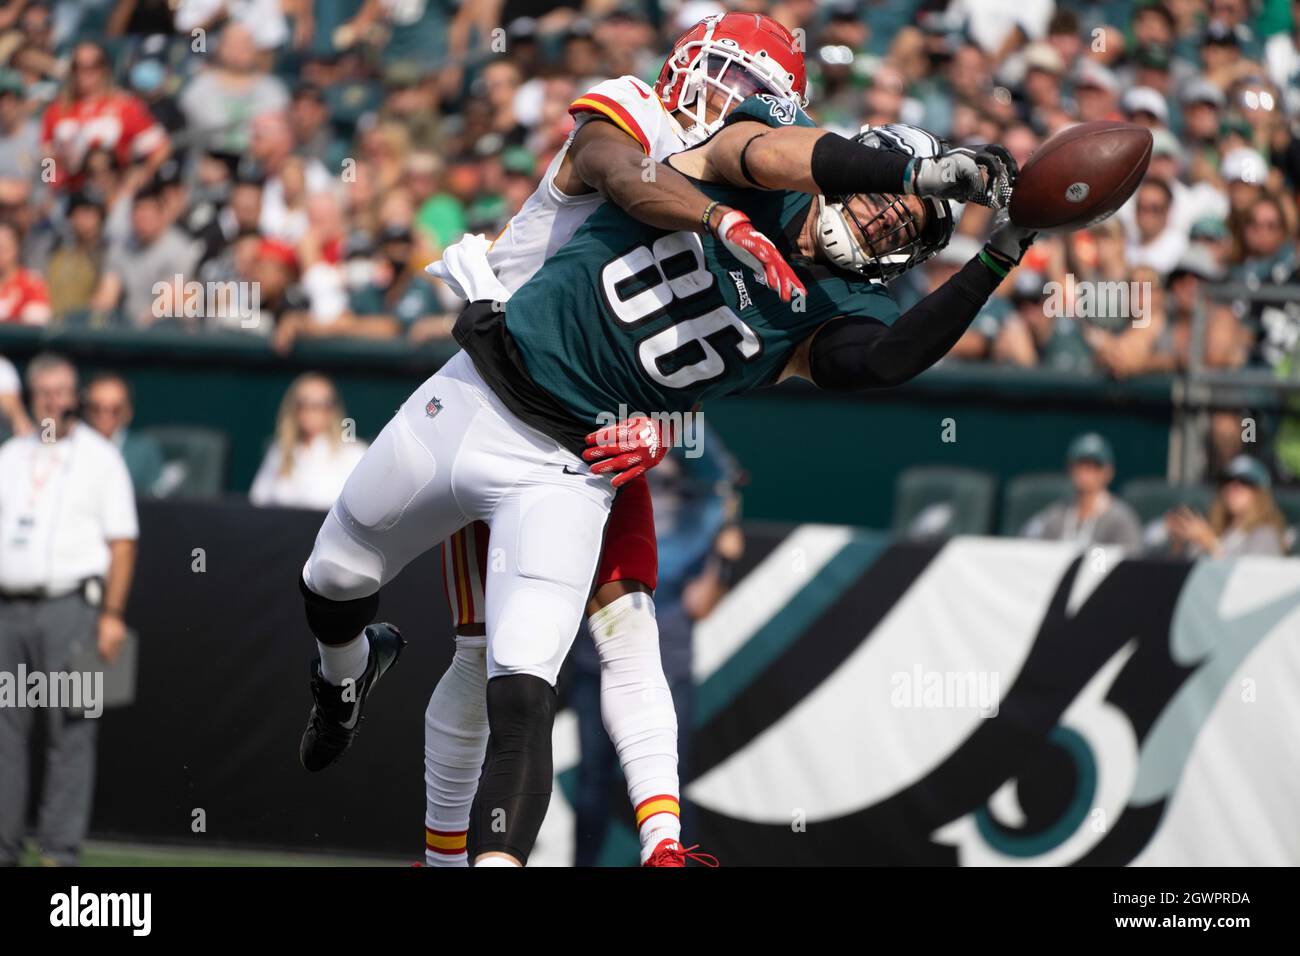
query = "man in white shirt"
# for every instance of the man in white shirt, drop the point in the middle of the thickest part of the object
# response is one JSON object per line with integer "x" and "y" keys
{"x": 67, "y": 550}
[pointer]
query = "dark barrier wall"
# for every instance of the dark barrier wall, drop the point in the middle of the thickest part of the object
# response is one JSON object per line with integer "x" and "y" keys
{"x": 223, "y": 695}
{"x": 850, "y": 449}
{"x": 1154, "y": 693}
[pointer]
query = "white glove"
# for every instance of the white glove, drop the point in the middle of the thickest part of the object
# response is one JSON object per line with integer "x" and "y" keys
{"x": 1007, "y": 243}
{"x": 983, "y": 175}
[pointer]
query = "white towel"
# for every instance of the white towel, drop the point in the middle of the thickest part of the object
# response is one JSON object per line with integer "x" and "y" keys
{"x": 464, "y": 267}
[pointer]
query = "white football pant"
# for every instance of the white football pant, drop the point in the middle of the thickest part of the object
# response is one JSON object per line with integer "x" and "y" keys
{"x": 454, "y": 454}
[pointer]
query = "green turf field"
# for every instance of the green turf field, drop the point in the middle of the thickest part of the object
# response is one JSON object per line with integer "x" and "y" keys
{"x": 100, "y": 853}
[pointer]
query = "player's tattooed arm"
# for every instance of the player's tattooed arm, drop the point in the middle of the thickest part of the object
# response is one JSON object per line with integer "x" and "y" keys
{"x": 797, "y": 158}
{"x": 608, "y": 160}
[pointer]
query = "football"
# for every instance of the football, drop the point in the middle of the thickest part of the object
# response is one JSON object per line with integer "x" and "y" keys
{"x": 1080, "y": 176}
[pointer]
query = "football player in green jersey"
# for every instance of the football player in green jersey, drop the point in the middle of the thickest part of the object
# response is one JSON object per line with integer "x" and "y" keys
{"x": 654, "y": 318}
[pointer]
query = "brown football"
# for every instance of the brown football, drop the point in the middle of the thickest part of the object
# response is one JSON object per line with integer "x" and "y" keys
{"x": 1080, "y": 176}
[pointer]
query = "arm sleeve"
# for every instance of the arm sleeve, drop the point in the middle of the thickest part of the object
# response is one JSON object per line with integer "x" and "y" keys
{"x": 858, "y": 352}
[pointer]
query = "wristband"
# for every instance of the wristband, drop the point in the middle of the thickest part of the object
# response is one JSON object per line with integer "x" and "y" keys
{"x": 987, "y": 258}
{"x": 909, "y": 176}
{"x": 708, "y": 214}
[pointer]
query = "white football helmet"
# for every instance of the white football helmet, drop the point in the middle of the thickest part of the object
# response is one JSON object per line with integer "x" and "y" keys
{"x": 847, "y": 239}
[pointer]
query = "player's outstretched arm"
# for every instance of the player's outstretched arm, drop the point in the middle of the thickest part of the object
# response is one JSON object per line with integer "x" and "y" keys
{"x": 809, "y": 160}
{"x": 608, "y": 160}
{"x": 611, "y": 162}
{"x": 858, "y": 352}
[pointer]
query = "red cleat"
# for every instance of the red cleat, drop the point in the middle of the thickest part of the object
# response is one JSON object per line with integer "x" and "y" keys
{"x": 672, "y": 853}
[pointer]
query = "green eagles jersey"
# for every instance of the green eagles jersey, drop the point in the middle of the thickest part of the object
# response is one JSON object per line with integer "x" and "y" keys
{"x": 628, "y": 318}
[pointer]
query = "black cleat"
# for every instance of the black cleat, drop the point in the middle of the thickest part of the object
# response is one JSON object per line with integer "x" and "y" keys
{"x": 333, "y": 720}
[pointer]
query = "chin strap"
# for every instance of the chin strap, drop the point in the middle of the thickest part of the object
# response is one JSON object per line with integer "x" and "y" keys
{"x": 835, "y": 238}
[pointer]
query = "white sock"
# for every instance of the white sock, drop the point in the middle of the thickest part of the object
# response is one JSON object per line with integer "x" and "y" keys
{"x": 496, "y": 861}
{"x": 455, "y": 742}
{"x": 338, "y": 662}
{"x": 637, "y": 708}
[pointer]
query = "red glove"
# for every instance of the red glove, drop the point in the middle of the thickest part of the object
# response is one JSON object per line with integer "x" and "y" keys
{"x": 630, "y": 448}
{"x": 755, "y": 250}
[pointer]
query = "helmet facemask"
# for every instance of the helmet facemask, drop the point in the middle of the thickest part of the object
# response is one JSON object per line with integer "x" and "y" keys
{"x": 881, "y": 237}
{"x": 722, "y": 74}
{"x": 878, "y": 236}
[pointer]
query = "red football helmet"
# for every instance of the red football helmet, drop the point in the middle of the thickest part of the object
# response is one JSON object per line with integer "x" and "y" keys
{"x": 737, "y": 54}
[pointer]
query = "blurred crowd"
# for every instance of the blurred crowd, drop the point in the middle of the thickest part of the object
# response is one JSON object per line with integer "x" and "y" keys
{"x": 322, "y": 152}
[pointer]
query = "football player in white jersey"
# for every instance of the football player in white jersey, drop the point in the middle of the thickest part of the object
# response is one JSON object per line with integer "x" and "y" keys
{"x": 713, "y": 68}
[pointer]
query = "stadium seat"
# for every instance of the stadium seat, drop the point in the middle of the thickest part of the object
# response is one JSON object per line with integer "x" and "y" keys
{"x": 938, "y": 501}
{"x": 1152, "y": 497}
{"x": 1026, "y": 495}
{"x": 194, "y": 459}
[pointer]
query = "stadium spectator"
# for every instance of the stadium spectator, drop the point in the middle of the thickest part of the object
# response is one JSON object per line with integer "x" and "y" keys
{"x": 76, "y": 263}
{"x": 397, "y": 287}
{"x": 141, "y": 18}
{"x": 241, "y": 213}
{"x": 1097, "y": 90}
{"x": 220, "y": 102}
{"x": 29, "y": 48}
{"x": 151, "y": 79}
{"x": 154, "y": 252}
{"x": 289, "y": 178}
{"x": 92, "y": 113}
{"x": 1267, "y": 243}
{"x": 1282, "y": 54}
{"x": 13, "y": 416}
{"x": 67, "y": 551}
{"x": 282, "y": 301}
{"x": 309, "y": 118}
{"x": 1029, "y": 336}
{"x": 1000, "y": 27}
{"x": 109, "y": 408}
{"x": 262, "y": 20}
{"x": 1123, "y": 343}
{"x": 23, "y": 295}
{"x": 1156, "y": 241}
{"x": 1184, "y": 300}
{"x": 19, "y": 209}
{"x": 1092, "y": 516}
{"x": 1244, "y": 518}
{"x": 20, "y": 135}
{"x": 313, "y": 450}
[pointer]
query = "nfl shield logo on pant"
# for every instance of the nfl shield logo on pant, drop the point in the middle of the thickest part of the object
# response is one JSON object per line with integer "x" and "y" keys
{"x": 433, "y": 407}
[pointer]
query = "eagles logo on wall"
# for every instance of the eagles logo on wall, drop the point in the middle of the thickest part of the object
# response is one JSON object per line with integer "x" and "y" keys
{"x": 998, "y": 702}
